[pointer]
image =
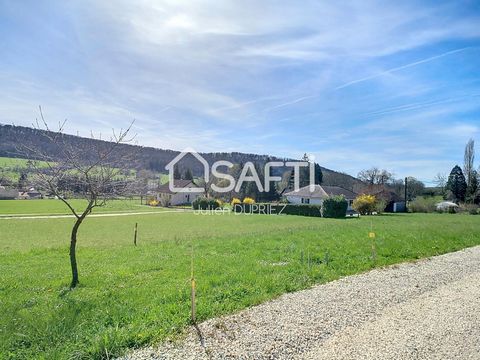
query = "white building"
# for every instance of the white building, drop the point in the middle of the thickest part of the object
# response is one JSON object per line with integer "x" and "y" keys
{"x": 166, "y": 197}
{"x": 319, "y": 193}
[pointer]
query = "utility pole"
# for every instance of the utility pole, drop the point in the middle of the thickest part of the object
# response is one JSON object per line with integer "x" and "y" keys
{"x": 406, "y": 187}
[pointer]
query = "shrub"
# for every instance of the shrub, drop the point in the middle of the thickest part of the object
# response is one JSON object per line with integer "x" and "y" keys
{"x": 380, "y": 206}
{"x": 335, "y": 207}
{"x": 472, "y": 209}
{"x": 235, "y": 201}
{"x": 153, "y": 202}
{"x": 423, "y": 205}
{"x": 203, "y": 203}
{"x": 452, "y": 210}
{"x": 365, "y": 204}
{"x": 248, "y": 200}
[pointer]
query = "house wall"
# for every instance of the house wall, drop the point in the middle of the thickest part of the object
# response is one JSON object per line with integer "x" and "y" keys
{"x": 298, "y": 200}
{"x": 183, "y": 198}
{"x": 178, "y": 198}
{"x": 315, "y": 201}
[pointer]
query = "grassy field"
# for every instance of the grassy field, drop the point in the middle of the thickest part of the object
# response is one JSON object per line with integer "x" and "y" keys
{"x": 57, "y": 207}
{"x": 131, "y": 296}
{"x": 10, "y": 168}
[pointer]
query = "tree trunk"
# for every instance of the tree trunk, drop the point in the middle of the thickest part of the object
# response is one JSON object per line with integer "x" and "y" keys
{"x": 73, "y": 255}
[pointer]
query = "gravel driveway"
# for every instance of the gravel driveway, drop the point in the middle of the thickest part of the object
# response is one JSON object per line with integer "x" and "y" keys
{"x": 424, "y": 310}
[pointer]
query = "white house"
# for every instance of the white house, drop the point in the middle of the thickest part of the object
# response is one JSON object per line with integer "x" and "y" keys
{"x": 167, "y": 197}
{"x": 304, "y": 195}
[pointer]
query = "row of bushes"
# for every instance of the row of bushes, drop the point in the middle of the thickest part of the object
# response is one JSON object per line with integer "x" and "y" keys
{"x": 334, "y": 207}
{"x": 429, "y": 205}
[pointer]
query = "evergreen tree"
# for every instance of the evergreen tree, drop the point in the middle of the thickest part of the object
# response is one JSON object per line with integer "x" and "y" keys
{"x": 457, "y": 184}
{"x": 22, "y": 182}
{"x": 177, "y": 175}
{"x": 318, "y": 174}
{"x": 271, "y": 194}
{"x": 472, "y": 188}
{"x": 305, "y": 172}
{"x": 251, "y": 188}
{"x": 188, "y": 174}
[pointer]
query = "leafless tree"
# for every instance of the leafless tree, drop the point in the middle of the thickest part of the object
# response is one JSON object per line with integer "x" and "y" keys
{"x": 94, "y": 171}
{"x": 468, "y": 160}
{"x": 375, "y": 176}
{"x": 469, "y": 170}
{"x": 441, "y": 181}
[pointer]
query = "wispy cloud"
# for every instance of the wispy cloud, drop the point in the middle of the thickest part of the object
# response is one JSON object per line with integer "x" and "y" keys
{"x": 398, "y": 68}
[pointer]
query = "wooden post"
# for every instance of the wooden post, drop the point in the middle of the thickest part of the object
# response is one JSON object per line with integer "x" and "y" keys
{"x": 135, "y": 235}
{"x": 192, "y": 276}
{"x": 194, "y": 310}
{"x": 406, "y": 193}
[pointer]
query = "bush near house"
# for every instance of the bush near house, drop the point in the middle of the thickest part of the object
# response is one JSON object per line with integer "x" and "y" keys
{"x": 335, "y": 207}
{"x": 365, "y": 204}
{"x": 203, "y": 203}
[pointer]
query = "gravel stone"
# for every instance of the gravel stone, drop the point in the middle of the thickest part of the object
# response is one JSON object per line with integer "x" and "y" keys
{"x": 429, "y": 309}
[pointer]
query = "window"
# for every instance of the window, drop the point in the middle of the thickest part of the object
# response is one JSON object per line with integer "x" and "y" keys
{"x": 305, "y": 201}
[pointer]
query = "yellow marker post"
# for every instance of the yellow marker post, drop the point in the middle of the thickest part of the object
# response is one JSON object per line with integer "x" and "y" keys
{"x": 192, "y": 277}
{"x": 193, "y": 301}
{"x": 371, "y": 235}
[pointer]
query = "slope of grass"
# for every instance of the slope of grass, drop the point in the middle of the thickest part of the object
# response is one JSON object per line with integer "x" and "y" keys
{"x": 11, "y": 168}
{"x": 131, "y": 296}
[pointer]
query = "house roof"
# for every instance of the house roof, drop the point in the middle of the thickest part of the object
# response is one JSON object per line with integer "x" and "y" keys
{"x": 178, "y": 183}
{"x": 322, "y": 192}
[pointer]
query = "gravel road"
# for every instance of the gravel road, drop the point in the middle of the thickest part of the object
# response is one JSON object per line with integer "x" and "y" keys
{"x": 424, "y": 310}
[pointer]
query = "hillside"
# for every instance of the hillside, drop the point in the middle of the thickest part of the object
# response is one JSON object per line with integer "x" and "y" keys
{"x": 146, "y": 158}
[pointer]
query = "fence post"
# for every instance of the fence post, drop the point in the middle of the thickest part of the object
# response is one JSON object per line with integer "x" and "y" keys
{"x": 135, "y": 234}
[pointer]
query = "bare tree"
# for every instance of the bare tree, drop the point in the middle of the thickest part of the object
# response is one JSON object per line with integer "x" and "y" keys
{"x": 441, "y": 181}
{"x": 375, "y": 176}
{"x": 94, "y": 171}
{"x": 468, "y": 160}
{"x": 469, "y": 170}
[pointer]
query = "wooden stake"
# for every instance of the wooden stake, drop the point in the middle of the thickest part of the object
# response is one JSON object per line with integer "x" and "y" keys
{"x": 135, "y": 235}
{"x": 194, "y": 310}
{"x": 193, "y": 305}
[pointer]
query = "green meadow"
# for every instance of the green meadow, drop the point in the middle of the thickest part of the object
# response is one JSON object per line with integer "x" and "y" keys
{"x": 57, "y": 207}
{"x": 134, "y": 296}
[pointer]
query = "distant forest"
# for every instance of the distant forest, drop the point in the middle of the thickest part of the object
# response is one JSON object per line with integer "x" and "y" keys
{"x": 149, "y": 158}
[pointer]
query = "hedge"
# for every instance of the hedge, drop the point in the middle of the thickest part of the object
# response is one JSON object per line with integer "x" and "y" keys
{"x": 202, "y": 203}
{"x": 279, "y": 209}
{"x": 335, "y": 207}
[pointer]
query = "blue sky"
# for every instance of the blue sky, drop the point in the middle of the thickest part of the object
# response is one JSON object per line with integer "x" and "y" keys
{"x": 395, "y": 84}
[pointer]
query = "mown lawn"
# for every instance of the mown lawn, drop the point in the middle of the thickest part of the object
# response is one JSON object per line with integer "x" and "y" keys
{"x": 132, "y": 296}
{"x": 57, "y": 207}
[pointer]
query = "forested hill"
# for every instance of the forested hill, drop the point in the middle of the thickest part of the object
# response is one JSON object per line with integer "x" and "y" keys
{"x": 147, "y": 158}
